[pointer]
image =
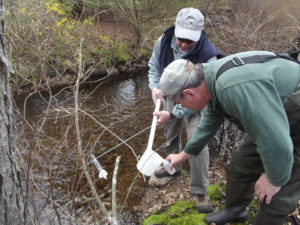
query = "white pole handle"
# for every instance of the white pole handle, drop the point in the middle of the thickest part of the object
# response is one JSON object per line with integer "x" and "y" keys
{"x": 153, "y": 126}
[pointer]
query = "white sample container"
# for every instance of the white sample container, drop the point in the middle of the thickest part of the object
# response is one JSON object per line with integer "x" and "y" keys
{"x": 149, "y": 162}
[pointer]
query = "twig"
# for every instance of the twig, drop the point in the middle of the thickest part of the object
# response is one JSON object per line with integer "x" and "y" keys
{"x": 129, "y": 190}
{"x": 110, "y": 132}
{"x": 114, "y": 192}
{"x": 123, "y": 142}
{"x": 79, "y": 142}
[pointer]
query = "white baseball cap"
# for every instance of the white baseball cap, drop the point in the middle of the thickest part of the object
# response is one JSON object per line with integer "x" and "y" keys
{"x": 189, "y": 24}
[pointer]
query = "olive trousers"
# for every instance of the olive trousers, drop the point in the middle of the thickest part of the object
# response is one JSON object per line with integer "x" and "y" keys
{"x": 198, "y": 164}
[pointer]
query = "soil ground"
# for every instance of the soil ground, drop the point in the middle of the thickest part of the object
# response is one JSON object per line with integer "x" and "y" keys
{"x": 178, "y": 189}
{"x": 157, "y": 199}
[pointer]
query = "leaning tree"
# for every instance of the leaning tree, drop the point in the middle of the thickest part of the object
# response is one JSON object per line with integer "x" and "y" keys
{"x": 11, "y": 203}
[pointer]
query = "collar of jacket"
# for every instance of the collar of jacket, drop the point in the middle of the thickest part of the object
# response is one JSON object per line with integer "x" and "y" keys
{"x": 210, "y": 80}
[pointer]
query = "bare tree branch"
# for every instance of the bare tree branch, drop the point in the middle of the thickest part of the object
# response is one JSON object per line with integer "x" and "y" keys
{"x": 114, "y": 193}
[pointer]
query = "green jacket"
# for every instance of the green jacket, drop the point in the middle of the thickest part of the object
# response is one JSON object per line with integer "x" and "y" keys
{"x": 253, "y": 94}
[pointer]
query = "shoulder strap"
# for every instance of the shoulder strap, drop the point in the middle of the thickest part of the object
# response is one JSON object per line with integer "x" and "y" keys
{"x": 237, "y": 61}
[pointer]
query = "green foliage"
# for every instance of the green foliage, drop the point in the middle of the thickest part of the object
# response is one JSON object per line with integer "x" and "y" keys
{"x": 98, "y": 4}
{"x": 145, "y": 53}
{"x": 42, "y": 35}
{"x": 123, "y": 52}
{"x": 112, "y": 52}
{"x": 183, "y": 212}
{"x": 66, "y": 7}
{"x": 82, "y": 9}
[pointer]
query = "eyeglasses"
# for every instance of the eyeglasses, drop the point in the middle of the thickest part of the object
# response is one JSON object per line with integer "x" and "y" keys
{"x": 184, "y": 40}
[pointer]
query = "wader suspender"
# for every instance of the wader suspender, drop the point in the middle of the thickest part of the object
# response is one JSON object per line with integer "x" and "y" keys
{"x": 237, "y": 61}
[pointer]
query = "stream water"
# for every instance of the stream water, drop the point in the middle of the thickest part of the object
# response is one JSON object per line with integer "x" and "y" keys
{"x": 124, "y": 108}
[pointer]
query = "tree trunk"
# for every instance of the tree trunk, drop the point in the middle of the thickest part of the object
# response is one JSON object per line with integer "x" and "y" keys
{"x": 11, "y": 204}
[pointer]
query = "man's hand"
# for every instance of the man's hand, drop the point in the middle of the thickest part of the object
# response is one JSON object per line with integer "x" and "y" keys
{"x": 176, "y": 159}
{"x": 156, "y": 94}
{"x": 264, "y": 189}
{"x": 162, "y": 116}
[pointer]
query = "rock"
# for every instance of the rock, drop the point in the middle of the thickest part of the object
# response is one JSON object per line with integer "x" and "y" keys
{"x": 114, "y": 72}
{"x": 99, "y": 71}
{"x": 158, "y": 182}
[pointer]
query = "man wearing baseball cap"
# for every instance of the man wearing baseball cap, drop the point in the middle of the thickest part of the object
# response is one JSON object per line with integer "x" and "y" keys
{"x": 260, "y": 91}
{"x": 185, "y": 40}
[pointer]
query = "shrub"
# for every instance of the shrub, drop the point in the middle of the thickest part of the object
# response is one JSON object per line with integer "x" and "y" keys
{"x": 42, "y": 35}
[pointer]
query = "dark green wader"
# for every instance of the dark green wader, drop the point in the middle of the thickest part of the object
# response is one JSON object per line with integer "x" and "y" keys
{"x": 245, "y": 169}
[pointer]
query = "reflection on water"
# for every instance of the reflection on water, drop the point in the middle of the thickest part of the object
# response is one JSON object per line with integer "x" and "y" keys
{"x": 125, "y": 95}
{"x": 124, "y": 108}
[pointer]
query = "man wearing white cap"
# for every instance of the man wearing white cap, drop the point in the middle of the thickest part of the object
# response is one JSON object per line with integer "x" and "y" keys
{"x": 185, "y": 40}
{"x": 259, "y": 91}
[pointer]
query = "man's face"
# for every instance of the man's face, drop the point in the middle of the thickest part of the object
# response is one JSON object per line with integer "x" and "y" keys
{"x": 194, "y": 98}
{"x": 185, "y": 44}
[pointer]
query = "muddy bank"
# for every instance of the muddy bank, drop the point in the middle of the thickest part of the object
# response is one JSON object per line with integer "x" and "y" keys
{"x": 66, "y": 76}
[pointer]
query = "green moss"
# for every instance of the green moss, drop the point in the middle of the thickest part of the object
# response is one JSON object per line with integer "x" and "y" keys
{"x": 182, "y": 207}
{"x": 215, "y": 191}
{"x": 195, "y": 219}
{"x": 123, "y": 51}
{"x": 146, "y": 53}
{"x": 156, "y": 219}
{"x": 184, "y": 213}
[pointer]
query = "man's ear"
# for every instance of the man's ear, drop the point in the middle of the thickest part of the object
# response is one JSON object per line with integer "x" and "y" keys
{"x": 189, "y": 93}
